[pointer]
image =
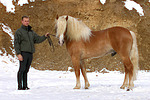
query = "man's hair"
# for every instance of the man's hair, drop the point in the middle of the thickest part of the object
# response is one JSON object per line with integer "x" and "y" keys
{"x": 25, "y": 17}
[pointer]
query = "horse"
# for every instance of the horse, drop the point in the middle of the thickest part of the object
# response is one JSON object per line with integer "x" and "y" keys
{"x": 83, "y": 43}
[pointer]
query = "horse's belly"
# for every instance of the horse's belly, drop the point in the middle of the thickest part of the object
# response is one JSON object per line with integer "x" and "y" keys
{"x": 96, "y": 53}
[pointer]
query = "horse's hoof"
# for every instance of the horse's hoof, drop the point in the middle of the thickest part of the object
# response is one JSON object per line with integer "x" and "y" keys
{"x": 76, "y": 88}
{"x": 86, "y": 87}
{"x": 128, "y": 89}
{"x": 122, "y": 87}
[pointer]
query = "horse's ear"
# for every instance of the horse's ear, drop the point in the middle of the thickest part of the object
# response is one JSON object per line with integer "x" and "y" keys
{"x": 66, "y": 18}
{"x": 57, "y": 17}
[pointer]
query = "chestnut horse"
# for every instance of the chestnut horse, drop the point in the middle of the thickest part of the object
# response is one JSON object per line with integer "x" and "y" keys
{"x": 82, "y": 43}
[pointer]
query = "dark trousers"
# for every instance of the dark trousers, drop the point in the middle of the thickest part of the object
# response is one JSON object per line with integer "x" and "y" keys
{"x": 23, "y": 69}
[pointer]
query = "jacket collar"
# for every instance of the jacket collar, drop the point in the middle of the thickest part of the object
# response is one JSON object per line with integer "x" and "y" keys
{"x": 27, "y": 28}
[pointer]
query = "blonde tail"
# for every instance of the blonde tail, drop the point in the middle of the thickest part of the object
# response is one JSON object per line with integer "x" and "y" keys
{"x": 134, "y": 56}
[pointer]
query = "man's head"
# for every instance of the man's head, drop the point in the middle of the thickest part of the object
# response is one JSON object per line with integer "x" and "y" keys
{"x": 25, "y": 20}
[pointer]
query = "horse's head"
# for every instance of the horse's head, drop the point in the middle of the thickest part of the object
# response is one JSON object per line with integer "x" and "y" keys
{"x": 61, "y": 25}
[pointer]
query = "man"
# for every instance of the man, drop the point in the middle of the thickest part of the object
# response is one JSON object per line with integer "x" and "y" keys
{"x": 25, "y": 38}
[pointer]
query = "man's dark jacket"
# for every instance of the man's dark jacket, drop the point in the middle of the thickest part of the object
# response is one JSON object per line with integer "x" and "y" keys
{"x": 25, "y": 38}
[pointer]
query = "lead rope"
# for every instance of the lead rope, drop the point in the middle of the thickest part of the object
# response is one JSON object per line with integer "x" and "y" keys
{"x": 50, "y": 42}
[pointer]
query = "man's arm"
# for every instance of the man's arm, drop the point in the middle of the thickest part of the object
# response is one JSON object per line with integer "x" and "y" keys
{"x": 17, "y": 42}
{"x": 17, "y": 45}
{"x": 39, "y": 39}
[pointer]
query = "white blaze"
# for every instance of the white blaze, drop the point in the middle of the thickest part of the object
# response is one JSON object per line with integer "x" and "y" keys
{"x": 61, "y": 39}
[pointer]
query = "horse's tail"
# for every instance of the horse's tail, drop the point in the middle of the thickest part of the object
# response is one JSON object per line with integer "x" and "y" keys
{"x": 134, "y": 56}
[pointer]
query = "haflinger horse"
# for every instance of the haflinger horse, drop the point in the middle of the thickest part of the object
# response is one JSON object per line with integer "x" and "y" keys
{"x": 82, "y": 43}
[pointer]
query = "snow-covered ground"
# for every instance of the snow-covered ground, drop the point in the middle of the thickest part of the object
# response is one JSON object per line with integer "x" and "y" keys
{"x": 58, "y": 85}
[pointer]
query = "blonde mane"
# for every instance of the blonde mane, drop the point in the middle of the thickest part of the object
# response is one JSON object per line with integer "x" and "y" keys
{"x": 76, "y": 30}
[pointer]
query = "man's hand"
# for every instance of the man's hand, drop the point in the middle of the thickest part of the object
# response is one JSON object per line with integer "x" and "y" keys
{"x": 20, "y": 58}
{"x": 47, "y": 34}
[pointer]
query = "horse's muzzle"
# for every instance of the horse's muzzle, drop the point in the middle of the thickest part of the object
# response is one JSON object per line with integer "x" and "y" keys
{"x": 61, "y": 42}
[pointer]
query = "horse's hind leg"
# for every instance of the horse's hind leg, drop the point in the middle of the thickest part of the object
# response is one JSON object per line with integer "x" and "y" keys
{"x": 128, "y": 73}
{"x": 126, "y": 79}
{"x": 76, "y": 65}
{"x": 83, "y": 70}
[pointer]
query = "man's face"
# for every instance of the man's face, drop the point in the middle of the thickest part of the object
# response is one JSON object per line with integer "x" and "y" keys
{"x": 25, "y": 21}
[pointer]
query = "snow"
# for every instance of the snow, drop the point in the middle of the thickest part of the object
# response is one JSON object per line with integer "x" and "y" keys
{"x": 103, "y": 1}
{"x": 129, "y": 4}
{"x": 58, "y": 85}
{"x": 21, "y": 2}
{"x": 7, "y": 30}
{"x": 9, "y": 5}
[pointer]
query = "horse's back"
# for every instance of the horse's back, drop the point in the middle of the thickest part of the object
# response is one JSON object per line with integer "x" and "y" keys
{"x": 118, "y": 31}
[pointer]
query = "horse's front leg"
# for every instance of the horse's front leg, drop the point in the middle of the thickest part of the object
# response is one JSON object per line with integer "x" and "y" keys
{"x": 83, "y": 70}
{"x": 76, "y": 65}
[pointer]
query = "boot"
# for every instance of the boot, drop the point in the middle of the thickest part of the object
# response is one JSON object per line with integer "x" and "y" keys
{"x": 26, "y": 88}
{"x": 25, "y": 81}
{"x": 19, "y": 81}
